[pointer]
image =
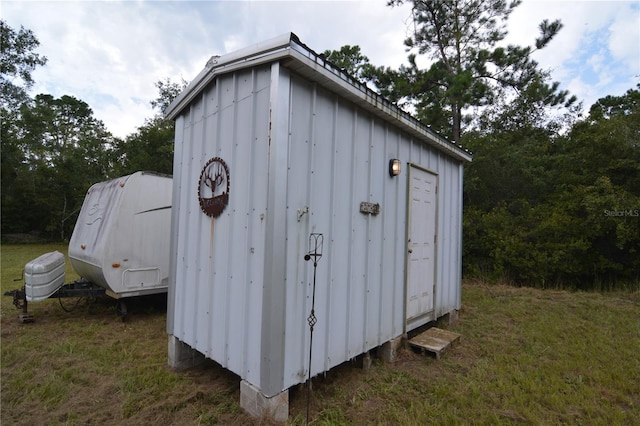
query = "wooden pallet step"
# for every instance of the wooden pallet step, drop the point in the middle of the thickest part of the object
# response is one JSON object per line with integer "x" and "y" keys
{"x": 435, "y": 340}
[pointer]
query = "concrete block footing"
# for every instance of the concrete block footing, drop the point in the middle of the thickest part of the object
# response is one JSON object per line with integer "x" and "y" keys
{"x": 183, "y": 356}
{"x": 366, "y": 361}
{"x": 452, "y": 317}
{"x": 388, "y": 351}
{"x": 258, "y": 405}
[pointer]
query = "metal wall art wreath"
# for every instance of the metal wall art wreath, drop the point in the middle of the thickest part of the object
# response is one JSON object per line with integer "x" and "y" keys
{"x": 213, "y": 188}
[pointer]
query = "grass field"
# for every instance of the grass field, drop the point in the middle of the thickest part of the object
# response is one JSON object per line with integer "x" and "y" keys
{"x": 526, "y": 356}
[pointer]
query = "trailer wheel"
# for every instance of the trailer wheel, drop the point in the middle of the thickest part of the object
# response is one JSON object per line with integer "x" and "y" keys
{"x": 121, "y": 309}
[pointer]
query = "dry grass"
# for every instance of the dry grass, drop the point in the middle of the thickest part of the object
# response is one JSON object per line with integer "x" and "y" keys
{"x": 526, "y": 356}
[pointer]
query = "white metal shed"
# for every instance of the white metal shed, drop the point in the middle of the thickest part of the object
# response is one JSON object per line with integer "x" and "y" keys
{"x": 273, "y": 144}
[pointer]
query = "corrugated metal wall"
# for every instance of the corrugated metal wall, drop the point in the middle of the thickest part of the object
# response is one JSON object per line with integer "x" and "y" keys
{"x": 301, "y": 160}
{"x": 215, "y": 301}
{"x": 338, "y": 157}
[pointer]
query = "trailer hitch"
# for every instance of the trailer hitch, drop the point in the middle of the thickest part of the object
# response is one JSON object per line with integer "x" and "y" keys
{"x": 79, "y": 288}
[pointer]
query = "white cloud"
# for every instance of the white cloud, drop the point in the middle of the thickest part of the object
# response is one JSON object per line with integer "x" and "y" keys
{"x": 593, "y": 51}
{"x": 624, "y": 40}
{"x": 110, "y": 54}
{"x": 597, "y": 61}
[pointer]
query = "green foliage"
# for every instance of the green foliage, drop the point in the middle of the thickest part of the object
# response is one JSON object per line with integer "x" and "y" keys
{"x": 167, "y": 92}
{"x": 555, "y": 211}
{"x": 149, "y": 149}
{"x": 350, "y": 59}
{"x": 56, "y": 151}
{"x": 470, "y": 67}
{"x": 17, "y": 60}
{"x": 52, "y": 149}
{"x": 612, "y": 106}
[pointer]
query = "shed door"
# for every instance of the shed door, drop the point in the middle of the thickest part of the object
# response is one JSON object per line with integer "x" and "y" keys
{"x": 421, "y": 247}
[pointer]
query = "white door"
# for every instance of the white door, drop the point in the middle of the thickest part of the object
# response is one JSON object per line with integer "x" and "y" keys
{"x": 421, "y": 247}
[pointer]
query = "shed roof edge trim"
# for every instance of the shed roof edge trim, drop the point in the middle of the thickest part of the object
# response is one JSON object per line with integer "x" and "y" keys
{"x": 378, "y": 105}
{"x": 289, "y": 46}
{"x": 253, "y": 55}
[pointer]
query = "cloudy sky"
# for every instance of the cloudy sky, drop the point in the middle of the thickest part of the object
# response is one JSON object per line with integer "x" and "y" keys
{"x": 110, "y": 53}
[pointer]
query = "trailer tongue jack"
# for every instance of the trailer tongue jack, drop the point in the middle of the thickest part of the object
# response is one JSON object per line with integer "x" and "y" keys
{"x": 20, "y": 301}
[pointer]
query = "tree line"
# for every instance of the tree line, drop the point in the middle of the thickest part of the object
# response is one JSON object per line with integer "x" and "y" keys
{"x": 54, "y": 149}
{"x": 551, "y": 198}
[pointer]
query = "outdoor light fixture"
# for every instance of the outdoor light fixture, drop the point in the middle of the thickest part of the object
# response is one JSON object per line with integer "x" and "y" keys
{"x": 394, "y": 167}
